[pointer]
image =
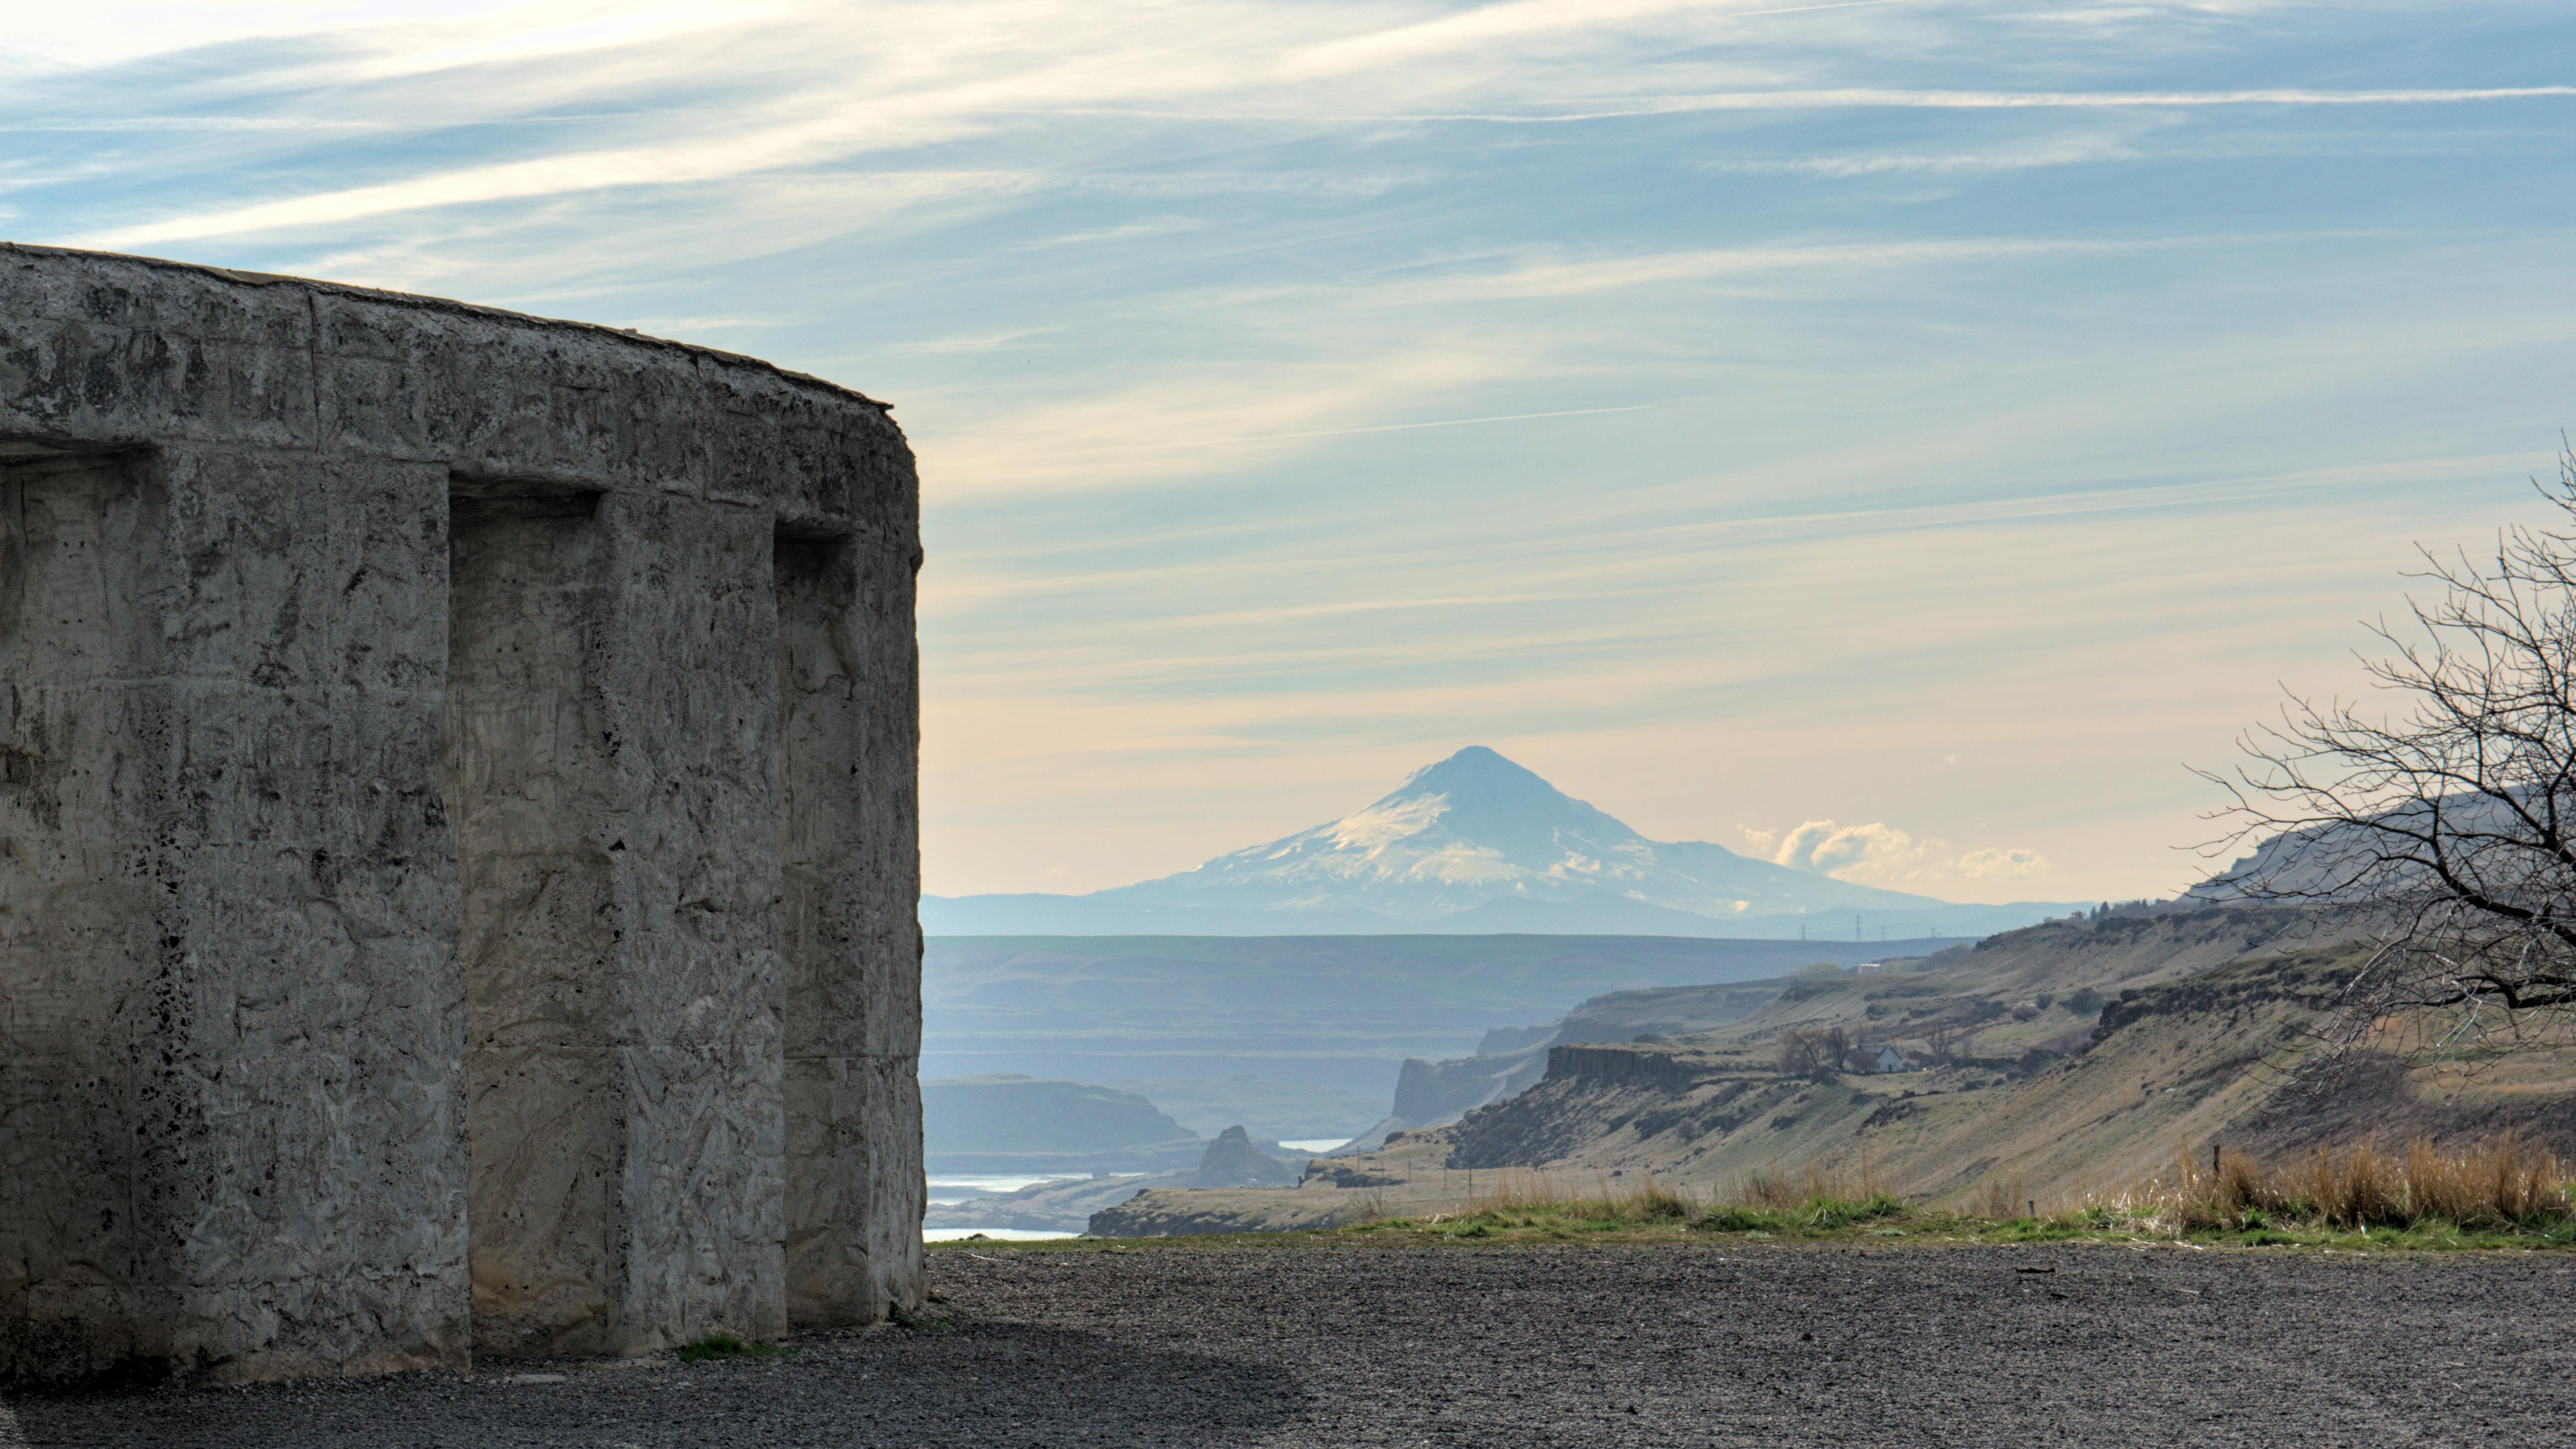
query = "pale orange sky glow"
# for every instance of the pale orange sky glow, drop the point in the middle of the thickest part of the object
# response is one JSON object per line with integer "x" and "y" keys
{"x": 1911, "y": 431}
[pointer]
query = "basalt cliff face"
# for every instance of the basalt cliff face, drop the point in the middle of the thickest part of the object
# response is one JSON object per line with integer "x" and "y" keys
{"x": 2048, "y": 1064}
{"x": 2064, "y": 1057}
{"x": 1437, "y": 1093}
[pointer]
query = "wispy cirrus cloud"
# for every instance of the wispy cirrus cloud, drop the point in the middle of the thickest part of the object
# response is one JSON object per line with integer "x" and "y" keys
{"x": 924, "y": 75}
{"x": 1222, "y": 420}
{"x": 1789, "y": 411}
{"x": 847, "y": 132}
{"x": 1859, "y": 98}
{"x": 384, "y": 37}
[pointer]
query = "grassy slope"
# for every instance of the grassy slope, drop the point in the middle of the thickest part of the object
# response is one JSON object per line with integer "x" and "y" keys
{"x": 2027, "y": 1098}
{"x": 2034, "y": 1108}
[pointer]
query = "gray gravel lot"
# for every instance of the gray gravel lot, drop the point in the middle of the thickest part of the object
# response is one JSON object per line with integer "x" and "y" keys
{"x": 1575, "y": 1345}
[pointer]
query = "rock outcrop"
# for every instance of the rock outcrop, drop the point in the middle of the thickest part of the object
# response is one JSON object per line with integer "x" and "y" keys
{"x": 1232, "y": 1161}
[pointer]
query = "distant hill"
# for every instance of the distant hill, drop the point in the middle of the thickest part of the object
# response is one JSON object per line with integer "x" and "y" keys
{"x": 1209, "y": 1105}
{"x": 1009, "y": 1114}
{"x": 1231, "y": 1160}
{"x": 1478, "y": 845}
{"x": 2040, "y": 1065}
{"x": 2006, "y": 1076}
{"x": 1337, "y": 1012}
{"x": 1434, "y": 1093}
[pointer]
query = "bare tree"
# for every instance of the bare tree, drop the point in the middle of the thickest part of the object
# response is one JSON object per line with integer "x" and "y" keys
{"x": 2445, "y": 825}
{"x": 1814, "y": 1054}
{"x": 1798, "y": 1054}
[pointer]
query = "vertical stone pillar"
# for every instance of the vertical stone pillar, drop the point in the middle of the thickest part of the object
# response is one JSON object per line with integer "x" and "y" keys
{"x": 686, "y": 643}
{"x": 232, "y": 1009}
{"x": 609, "y": 711}
{"x": 80, "y": 915}
{"x": 527, "y": 790}
{"x": 847, "y": 711}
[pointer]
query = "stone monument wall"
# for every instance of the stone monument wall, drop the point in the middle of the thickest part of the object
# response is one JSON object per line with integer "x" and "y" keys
{"x": 457, "y": 834}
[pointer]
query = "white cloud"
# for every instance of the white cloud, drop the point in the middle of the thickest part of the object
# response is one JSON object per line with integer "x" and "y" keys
{"x": 2066, "y": 151}
{"x": 1193, "y": 427}
{"x": 1994, "y": 864}
{"x": 2017, "y": 465}
{"x": 1851, "y": 99}
{"x": 833, "y": 92}
{"x": 1826, "y": 848}
{"x": 1880, "y": 854}
{"x": 410, "y": 35}
{"x": 1646, "y": 270}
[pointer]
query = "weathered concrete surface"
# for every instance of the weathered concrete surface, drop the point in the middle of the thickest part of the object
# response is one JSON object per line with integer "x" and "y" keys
{"x": 457, "y": 833}
{"x": 850, "y": 933}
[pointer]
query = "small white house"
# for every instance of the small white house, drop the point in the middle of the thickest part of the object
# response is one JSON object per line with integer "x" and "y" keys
{"x": 1887, "y": 1059}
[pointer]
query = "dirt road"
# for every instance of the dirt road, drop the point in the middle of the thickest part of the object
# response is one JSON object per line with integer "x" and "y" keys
{"x": 1754, "y": 1345}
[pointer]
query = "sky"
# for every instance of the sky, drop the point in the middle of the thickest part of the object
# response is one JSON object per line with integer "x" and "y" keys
{"x": 1895, "y": 437}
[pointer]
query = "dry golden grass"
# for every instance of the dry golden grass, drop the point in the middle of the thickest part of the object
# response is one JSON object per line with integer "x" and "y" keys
{"x": 1816, "y": 1200}
{"x": 1526, "y": 1193}
{"x": 1651, "y": 1199}
{"x": 2498, "y": 1182}
{"x": 1774, "y": 1190}
{"x": 2508, "y": 1180}
{"x": 2001, "y": 1198}
{"x": 2505, "y": 1184}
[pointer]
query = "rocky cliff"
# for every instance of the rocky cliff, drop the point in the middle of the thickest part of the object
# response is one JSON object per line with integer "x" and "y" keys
{"x": 2068, "y": 1059}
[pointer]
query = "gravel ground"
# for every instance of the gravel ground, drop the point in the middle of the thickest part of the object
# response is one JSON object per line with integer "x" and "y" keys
{"x": 1577, "y": 1345}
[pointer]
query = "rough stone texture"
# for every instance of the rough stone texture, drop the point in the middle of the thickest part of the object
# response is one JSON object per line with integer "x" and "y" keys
{"x": 457, "y": 833}
{"x": 850, "y": 935}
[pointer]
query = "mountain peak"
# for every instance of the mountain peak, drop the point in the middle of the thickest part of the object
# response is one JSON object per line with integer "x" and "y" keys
{"x": 1478, "y": 769}
{"x": 1484, "y": 801}
{"x": 1476, "y": 838}
{"x": 1477, "y": 829}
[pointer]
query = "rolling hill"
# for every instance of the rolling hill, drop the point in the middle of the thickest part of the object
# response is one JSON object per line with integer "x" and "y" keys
{"x": 2049, "y": 1064}
{"x": 1301, "y": 1012}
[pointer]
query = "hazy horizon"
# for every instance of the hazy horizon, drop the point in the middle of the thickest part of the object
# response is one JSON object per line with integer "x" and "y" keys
{"x": 1476, "y": 843}
{"x": 1890, "y": 436}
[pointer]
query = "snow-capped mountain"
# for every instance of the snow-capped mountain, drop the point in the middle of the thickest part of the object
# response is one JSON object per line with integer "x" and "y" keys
{"x": 1477, "y": 843}
{"x": 1476, "y": 828}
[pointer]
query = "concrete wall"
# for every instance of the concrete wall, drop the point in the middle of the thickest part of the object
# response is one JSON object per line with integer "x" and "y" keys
{"x": 457, "y": 833}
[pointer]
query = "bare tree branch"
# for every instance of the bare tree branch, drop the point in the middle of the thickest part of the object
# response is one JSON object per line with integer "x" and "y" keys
{"x": 2446, "y": 823}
